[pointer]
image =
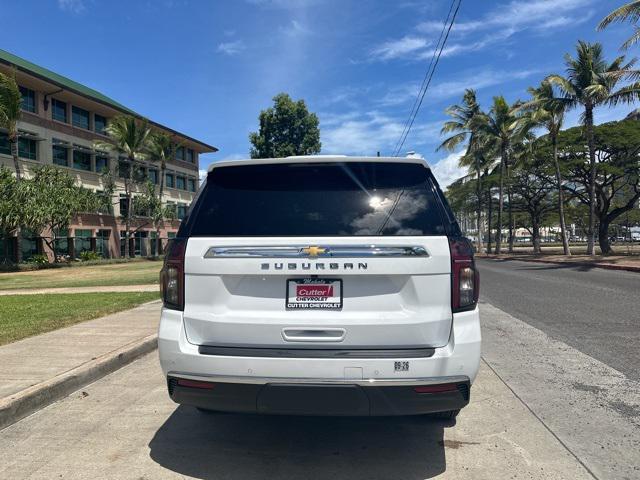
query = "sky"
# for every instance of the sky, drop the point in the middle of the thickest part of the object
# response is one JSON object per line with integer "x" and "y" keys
{"x": 207, "y": 68}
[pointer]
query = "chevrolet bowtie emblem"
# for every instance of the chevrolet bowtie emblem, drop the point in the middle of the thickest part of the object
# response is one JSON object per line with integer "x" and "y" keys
{"x": 313, "y": 251}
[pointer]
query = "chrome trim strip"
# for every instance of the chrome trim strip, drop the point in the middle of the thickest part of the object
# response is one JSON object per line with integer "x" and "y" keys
{"x": 377, "y": 382}
{"x": 328, "y": 251}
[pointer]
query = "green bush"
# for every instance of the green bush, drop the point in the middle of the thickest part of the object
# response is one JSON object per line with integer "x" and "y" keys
{"x": 38, "y": 259}
{"x": 88, "y": 255}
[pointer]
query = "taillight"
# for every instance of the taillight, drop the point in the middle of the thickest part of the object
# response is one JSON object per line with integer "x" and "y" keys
{"x": 172, "y": 275}
{"x": 465, "y": 279}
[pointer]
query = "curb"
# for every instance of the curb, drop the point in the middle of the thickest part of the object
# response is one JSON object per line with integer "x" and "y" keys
{"x": 24, "y": 403}
{"x": 628, "y": 268}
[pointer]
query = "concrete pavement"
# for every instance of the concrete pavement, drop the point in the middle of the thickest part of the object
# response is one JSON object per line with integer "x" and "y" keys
{"x": 43, "y": 368}
{"x": 125, "y": 427}
{"x": 593, "y": 310}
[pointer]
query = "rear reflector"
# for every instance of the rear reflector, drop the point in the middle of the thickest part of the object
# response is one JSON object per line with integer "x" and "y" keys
{"x": 447, "y": 387}
{"x": 183, "y": 382}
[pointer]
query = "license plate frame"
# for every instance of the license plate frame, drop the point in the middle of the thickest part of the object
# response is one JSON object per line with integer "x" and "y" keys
{"x": 333, "y": 302}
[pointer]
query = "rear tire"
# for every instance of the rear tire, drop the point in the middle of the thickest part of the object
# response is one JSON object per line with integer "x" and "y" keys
{"x": 448, "y": 415}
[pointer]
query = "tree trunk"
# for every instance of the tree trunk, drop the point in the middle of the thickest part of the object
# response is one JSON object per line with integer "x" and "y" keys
{"x": 535, "y": 234}
{"x": 563, "y": 226}
{"x": 489, "y": 219}
{"x": 163, "y": 170}
{"x": 603, "y": 237}
{"x": 588, "y": 115}
{"x": 480, "y": 247}
{"x": 510, "y": 206}
{"x": 500, "y": 204}
{"x": 127, "y": 219}
{"x": 13, "y": 141}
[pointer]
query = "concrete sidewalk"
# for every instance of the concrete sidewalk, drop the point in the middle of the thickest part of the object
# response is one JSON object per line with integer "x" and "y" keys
{"x": 41, "y": 369}
{"x": 154, "y": 287}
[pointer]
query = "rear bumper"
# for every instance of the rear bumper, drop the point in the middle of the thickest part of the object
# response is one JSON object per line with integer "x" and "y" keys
{"x": 333, "y": 399}
{"x": 378, "y": 380}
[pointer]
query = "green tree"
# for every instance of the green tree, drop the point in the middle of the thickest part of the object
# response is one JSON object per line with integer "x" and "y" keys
{"x": 287, "y": 128}
{"x": 463, "y": 127}
{"x": 10, "y": 111}
{"x": 617, "y": 180}
{"x": 150, "y": 203}
{"x": 628, "y": 12}
{"x": 496, "y": 131}
{"x": 532, "y": 188}
{"x": 12, "y": 207}
{"x": 130, "y": 139}
{"x": 547, "y": 111}
{"x": 53, "y": 200}
{"x": 161, "y": 149}
{"x": 590, "y": 82}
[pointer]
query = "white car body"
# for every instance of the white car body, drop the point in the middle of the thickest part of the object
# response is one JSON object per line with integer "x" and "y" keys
{"x": 396, "y": 297}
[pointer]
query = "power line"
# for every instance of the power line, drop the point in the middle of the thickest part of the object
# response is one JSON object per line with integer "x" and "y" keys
{"x": 435, "y": 58}
{"x": 424, "y": 80}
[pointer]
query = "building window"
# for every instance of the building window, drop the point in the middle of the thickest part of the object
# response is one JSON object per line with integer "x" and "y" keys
{"x": 191, "y": 156}
{"x": 181, "y": 183}
{"x": 60, "y": 155}
{"x": 58, "y": 110}
{"x": 5, "y": 146}
{"x": 99, "y": 124}
{"x": 124, "y": 205}
{"x": 61, "y": 243}
{"x": 83, "y": 241}
{"x": 28, "y": 103}
{"x": 102, "y": 243}
{"x": 153, "y": 176}
{"x": 81, "y": 160}
{"x": 182, "y": 211}
{"x": 102, "y": 163}
{"x": 27, "y": 148}
{"x": 180, "y": 154}
{"x": 80, "y": 117}
{"x": 191, "y": 183}
{"x": 169, "y": 180}
{"x": 171, "y": 235}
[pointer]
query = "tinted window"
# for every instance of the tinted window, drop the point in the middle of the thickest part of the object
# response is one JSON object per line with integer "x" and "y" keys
{"x": 28, "y": 101}
{"x": 99, "y": 123}
{"x": 355, "y": 198}
{"x": 80, "y": 117}
{"x": 60, "y": 155}
{"x": 81, "y": 160}
{"x": 58, "y": 110}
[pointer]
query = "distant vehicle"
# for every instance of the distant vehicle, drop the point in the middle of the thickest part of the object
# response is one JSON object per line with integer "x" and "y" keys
{"x": 320, "y": 286}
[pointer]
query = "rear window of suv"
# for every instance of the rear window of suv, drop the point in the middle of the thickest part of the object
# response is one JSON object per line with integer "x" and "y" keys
{"x": 318, "y": 199}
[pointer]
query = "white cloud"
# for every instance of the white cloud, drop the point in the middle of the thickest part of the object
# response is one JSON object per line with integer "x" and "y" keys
{"x": 231, "y": 48}
{"x": 370, "y": 132}
{"x": 477, "y": 81}
{"x": 399, "y": 48}
{"x": 499, "y": 24}
{"x": 295, "y": 29}
{"x": 447, "y": 170}
{"x": 73, "y": 6}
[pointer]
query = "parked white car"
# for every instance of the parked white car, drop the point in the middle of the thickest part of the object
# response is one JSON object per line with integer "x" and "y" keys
{"x": 320, "y": 286}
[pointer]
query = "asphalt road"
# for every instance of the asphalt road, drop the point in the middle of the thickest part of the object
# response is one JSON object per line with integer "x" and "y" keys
{"x": 594, "y": 310}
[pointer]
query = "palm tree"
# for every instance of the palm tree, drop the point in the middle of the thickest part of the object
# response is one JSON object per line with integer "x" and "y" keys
{"x": 628, "y": 12}
{"x": 462, "y": 128}
{"x": 592, "y": 82}
{"x": 129, "y": 138}
{"x": 496, "y": 132}
{"x": 544, "y": 110}
{"x": 10, "y": 110}
{"x": 161, "y": 148}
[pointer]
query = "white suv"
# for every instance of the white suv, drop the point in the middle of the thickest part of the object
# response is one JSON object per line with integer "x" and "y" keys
{"x": 320, "y": 286}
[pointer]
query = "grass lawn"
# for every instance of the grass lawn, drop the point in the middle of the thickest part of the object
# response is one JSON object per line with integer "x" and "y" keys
{"x": 25, "y": 315}
{"x": 134, "y": 273}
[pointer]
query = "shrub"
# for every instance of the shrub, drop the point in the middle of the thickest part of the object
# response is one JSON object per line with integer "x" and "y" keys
{"x": 38, "y": 259}
{"x": 88, "y": 255}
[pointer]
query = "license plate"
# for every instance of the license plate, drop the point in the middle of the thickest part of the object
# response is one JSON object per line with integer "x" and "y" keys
{"x": 318, "y": 293}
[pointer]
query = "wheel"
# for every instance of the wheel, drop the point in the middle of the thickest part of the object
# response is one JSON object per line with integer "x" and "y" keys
{"x": 448, "y": 415}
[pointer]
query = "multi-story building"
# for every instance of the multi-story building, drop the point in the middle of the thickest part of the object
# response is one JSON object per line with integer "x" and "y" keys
{"x": 60, "y": 123}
